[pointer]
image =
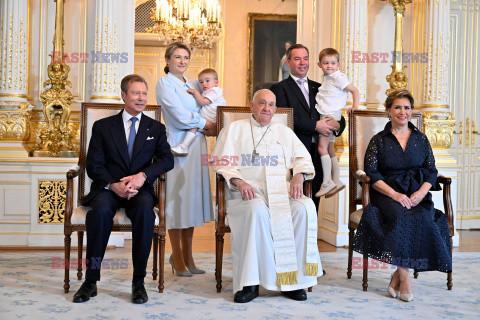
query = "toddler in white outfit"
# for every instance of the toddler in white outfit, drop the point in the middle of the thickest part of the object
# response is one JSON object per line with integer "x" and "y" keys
{"x": 211, "y": 97}
{"x": 330, "y": 100}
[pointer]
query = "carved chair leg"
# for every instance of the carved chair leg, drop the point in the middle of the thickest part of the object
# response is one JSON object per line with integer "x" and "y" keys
{"x": 449, "y": 281}
{"x": 155, "y": 255}
{"x": 365, "y": 272}
{"x": 80, "y": 255}
{"x": 449, "y": 275}
{"x": 161, "y": 262}
{"x": 350, "y": 252}
{"x": 66, "y": 284}
{"x": 415, "y": 274}
{"x": 218, "y": 260}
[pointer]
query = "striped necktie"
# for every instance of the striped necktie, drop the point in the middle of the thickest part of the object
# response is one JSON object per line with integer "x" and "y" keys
{"x": 304, "y": 91}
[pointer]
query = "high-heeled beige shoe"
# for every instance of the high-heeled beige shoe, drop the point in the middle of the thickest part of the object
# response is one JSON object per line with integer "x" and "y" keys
{"x": 390, "y": 289}
{"x": 407, "y": 297}
{"x": 179, "y": 273}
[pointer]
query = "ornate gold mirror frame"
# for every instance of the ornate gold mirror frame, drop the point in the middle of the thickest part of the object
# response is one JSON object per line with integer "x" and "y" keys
{"x": 271, "y": 31}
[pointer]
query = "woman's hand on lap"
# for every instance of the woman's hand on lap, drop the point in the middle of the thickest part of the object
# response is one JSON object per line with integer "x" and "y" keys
{"x": 401, "y": 198}
{"x": 417, "y": 197}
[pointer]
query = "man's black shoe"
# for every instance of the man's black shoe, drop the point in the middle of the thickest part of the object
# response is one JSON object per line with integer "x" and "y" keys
{"x": 298, "y": 295}
{"x": 86, "y": 291}
{"x": 139, "y": 294}
{"x": 247, "y": 294}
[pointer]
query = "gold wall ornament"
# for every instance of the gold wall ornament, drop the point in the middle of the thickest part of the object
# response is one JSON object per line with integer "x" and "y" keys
{"x": 51, "y": 201}
{"x": 398, "y": 79}
{"x": 14, "y": 121}
{"x": 439, "y": 129}
{"x": 56, "y": 139}
{"x": 469, "y": 130}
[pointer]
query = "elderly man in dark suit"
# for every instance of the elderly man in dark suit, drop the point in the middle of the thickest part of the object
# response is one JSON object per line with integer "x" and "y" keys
{"x": 298, "y": 92}
{"x": 126, "y": 154}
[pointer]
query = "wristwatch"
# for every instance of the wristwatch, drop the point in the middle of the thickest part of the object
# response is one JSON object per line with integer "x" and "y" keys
{"x": 145, "y": 175}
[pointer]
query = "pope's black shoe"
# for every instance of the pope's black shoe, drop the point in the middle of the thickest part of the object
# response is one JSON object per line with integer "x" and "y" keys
{"x": 139, "y": 294}
{"x": 247, "y": 294}
{"x": 86, "y": 291}
{"x": 298, "y": 295}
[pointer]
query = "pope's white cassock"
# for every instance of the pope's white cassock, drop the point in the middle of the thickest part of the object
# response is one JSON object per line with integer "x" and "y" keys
{"x": 273, "y": 237}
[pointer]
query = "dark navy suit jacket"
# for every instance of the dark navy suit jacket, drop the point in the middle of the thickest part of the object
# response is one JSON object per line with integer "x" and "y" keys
{"x": 305, "y": 118}
{"x": 289, "y": 95}
{"x": 107, "y": 156}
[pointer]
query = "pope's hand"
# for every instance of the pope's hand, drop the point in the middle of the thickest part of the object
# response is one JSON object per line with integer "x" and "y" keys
{"x": 210, "y": 128}
{"x": 246, "y": 190}
{"x": 296, "y": 186}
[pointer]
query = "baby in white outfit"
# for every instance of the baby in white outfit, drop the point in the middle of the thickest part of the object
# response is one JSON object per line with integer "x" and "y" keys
{"x": 331, "y": 99}
{"x": 210, "y": 99}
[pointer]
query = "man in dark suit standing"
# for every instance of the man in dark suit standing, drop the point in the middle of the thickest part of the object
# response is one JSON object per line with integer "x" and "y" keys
{"x": 126, "y": 154}
{"x": 298, "y": 92}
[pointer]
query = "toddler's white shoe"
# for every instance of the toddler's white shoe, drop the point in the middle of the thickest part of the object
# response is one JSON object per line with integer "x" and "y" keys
{"x": 180, "y": 150}
{"x": 325, "y": 188}
{"x": 340, "y": 185}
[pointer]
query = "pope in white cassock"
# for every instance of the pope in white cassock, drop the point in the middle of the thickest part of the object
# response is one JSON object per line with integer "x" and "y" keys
{"x": 273, "y": 225}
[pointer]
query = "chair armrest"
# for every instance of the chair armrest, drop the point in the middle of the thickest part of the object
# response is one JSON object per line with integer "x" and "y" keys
{"x": 444, "y": 180}
{"x": 365, "y": 180}
{"x": 72, "y": 173}
{"x": 307, "y": 188}
{"x": 221, "y": 204}
{"x": 447, "y": 202}
{"x": 361, "y": 176}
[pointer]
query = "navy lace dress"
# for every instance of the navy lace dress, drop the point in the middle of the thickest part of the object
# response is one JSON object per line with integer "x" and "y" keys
{"x": 414, "y": 238}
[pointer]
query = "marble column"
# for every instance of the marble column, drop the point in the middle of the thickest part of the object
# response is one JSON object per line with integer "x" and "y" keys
{"x": 14, "y": 108}
{"x": 438, "y": 119}
{"x": 354, "y": 45}
{"x": 13, "y": 46}
{"x": 435, "y": 79}
{"x": 353, "y": 48}
{"x": 106, "y": 56}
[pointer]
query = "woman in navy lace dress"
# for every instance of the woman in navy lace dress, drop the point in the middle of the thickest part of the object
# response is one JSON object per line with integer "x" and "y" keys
{"x": 401, "y": 225}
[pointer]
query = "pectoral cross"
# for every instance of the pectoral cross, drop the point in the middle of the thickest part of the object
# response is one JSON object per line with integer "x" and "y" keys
{"x": 254, "y": 154}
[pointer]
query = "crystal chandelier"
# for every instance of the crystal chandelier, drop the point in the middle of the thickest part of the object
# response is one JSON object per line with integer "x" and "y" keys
{"x": 196, "y": 22}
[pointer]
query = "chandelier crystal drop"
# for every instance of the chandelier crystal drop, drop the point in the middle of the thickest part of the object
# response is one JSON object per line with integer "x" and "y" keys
{"x": 196, "y": 22}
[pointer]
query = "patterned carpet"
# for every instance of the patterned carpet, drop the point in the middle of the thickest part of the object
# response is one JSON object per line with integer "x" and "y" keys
{"x": 31, "y": 288}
